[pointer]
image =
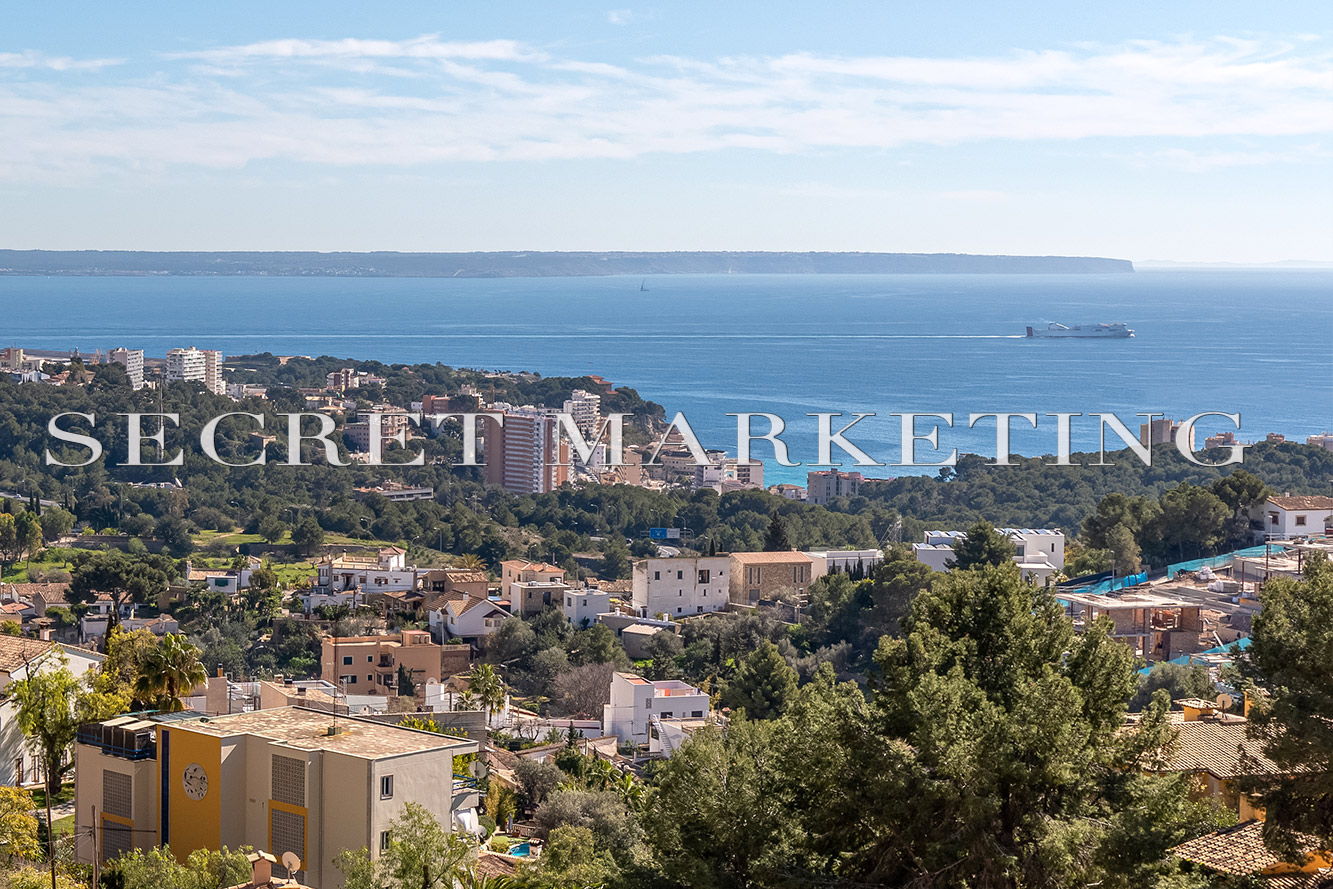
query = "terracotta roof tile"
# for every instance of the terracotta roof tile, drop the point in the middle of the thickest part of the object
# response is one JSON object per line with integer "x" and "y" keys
{"x": 1240, "y": 851}
{"x": 1212, "y": 746}
{"x": 15, "y": 651}
{"x": 772, "y": 558}
{"x": 1306, "y": 502}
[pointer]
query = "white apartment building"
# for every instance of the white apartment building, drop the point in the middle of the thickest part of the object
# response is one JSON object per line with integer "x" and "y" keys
{"x": 1287, "y": 516}
{"x": 1039, "y": 552}
{"x": 586, "y": 409}
{"x": 844, "y": 560}
{"x": 723, "y": 473}
{"x": 680, "y": 586}
{"x": 581, "y": 606}
{"x": 132, "y": 360}
{"x": 636, "y": 703}
{"x": 196, "y": 366}
{"x": 461, "y": 616}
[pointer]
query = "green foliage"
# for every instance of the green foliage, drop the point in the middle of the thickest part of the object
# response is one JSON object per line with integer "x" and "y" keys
{"x": 422, "y": 854}
{"x": 18, "y": 826}
{"x": 125, "y": 578}
{"x": 984, "y": 547}
{"x": 1291, "y": 663}
{"x": 51, "y": 704}
{"x": 570, "y": 859}
{"x": 1179, "y": 680}
{"x": 157, "y": 867}
{"x": 168, "y": 672}
{"x": 764, "y": 684}
{"x": 775, "y": 538}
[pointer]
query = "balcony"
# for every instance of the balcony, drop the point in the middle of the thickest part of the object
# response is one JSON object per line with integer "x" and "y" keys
{"x": 132, "y": 739}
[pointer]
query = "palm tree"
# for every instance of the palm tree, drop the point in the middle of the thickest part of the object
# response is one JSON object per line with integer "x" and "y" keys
{"x": 169, "y": 671}
{"x": 470, "y": 561}
{"x": 630, "y": 790}
{"x": 488, "y": 688}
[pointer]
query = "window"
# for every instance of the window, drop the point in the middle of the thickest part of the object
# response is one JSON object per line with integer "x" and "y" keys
{"x": 668, "y": 714}
{"x": 697, "y": 714}
{"x": 370, "y": 658}
{"x": 657, "y": 575}
{"x": 350, "y": 680}
{"x": 1272, "y": 518}
{"x": 698, "y": 609}
{"x": 1300, "y": 520}
{"x": 347, "y": 660}
{"x": 704, "y": 575}
{"x": 680, "y": 575}
{"x": 370, "y": 678}
{"x": 386, "y": 787}
{"x": 680, "y": 592}
{"x": 678, "y": 609}
{"x": 385, "y": 840}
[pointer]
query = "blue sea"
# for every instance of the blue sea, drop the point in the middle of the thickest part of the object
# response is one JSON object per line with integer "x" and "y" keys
{"x": 1257, "y": 343}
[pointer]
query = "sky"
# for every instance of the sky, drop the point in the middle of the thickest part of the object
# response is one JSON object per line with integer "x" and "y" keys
{"x": 1185, "y": 131}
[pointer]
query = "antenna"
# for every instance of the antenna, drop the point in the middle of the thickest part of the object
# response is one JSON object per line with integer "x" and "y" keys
{"x": 292, "y": 862}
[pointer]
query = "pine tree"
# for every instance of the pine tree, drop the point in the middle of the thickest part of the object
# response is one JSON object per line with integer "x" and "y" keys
{"x": 775, "y": 538}
{"x": 763, "y": 684}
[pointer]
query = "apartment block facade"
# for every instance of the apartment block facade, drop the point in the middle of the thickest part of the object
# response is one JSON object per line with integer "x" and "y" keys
{"x": 822, "y": 487}
{"x": 525, "y": 453}
{"x": 132, "y": 361}
{"x": 285, "y": 780}
{"x": 196, "y": 366}
{"x": 681, "y": 586}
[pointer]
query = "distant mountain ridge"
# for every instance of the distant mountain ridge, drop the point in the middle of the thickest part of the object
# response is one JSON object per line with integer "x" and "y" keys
{"x": 529, "y": 264}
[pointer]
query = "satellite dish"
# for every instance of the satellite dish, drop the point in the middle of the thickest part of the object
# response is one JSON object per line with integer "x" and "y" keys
{"x": 478, "y": 768}
{"x": 292, "y": 862}
{"x": 1224, "y": 701}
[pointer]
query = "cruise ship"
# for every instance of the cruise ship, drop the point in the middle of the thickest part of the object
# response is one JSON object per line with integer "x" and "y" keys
{"x": 1115, "y": 330}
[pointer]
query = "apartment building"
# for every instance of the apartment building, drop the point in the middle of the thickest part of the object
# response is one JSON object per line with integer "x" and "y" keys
{"x": 1039, "y": 552}
{"x": 586, "y": 410}
{"x": 822, "y": 487}
{"x": 196, "y": 366}
{"x": 369, "y": 664}
{"x": 769, "y": 576}
{"x": 289, "y": 780}
{"x": 525, "y": 453}
{"x": 680, "y": 586}
{"x": 1161, "y": 431}
{"x": 724, "y": 474}
{"x": 531, "y": 586}
{"x": 636, "y": 704}
{"x": 392, "y": 425}
{"x": 132, "y": 361}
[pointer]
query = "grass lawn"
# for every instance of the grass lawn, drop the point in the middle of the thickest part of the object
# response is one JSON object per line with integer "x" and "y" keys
{"x": 63, "y": 827}
{"x": 65, "y": 795}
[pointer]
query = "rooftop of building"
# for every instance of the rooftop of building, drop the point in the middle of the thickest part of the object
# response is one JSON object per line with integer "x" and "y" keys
{"x": 1301, "y": 502}
{"x": 1217, "y": 745}
{"x": 1240, "y": 851}
{"x": 304, "y": 729}
{"x": 767, "y": 558}
{"x": 16, "y": 651}
{"x": 525, "y": 565}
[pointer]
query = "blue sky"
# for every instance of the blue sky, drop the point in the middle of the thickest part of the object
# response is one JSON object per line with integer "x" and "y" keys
{"x": 1182, "y": 131}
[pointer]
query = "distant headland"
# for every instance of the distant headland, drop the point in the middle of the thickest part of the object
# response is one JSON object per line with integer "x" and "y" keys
{"x": 520, "y": 264}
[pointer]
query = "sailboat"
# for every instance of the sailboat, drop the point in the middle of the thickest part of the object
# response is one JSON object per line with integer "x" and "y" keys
{"x": 642, "y": 288}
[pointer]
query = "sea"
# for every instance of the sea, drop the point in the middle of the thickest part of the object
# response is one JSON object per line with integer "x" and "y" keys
{"x": 1258, "y": 343}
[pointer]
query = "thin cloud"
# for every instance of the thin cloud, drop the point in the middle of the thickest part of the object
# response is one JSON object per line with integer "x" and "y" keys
{"x": 31, "y": 59}
{"x": 619, "y": 16}
{"x": 406, "y": 103}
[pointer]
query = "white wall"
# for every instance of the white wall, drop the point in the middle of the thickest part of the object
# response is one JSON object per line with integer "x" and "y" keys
{"x": 675, "y": 588}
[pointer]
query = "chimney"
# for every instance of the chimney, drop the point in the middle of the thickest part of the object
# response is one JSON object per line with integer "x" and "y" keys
{"x": 262, "y": 864}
